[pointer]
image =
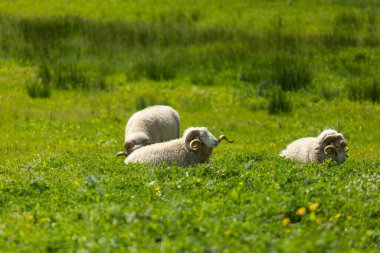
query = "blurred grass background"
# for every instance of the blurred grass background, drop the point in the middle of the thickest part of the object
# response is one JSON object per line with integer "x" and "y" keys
{"x": 238, "y": 67}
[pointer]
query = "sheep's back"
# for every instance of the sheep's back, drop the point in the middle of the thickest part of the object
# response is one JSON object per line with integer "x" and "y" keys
{"x": 302, "y": 150}
{"x": 160, "y": 123}
{"x": 170, "y": 152}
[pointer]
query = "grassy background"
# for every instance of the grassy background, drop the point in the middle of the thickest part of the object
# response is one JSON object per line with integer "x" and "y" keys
{"x": 261, "y": 72}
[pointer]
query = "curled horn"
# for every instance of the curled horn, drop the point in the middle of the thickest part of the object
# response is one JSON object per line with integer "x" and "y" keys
{"x": 330, "y": 149}
{"x": 195, "y": 145}
{"x": 192, "y": 140}
{"x": 330, "y": 138}
{"x": 222, "y": 137}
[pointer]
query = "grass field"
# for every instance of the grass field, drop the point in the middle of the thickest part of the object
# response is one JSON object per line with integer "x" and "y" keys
{"x": 261, "y": 72}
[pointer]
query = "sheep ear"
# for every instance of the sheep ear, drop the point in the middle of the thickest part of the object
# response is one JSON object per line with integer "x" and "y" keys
{"x": 330, "y": 138}
{"x": 195, "y": 145}
{"x": 329, "y": 150}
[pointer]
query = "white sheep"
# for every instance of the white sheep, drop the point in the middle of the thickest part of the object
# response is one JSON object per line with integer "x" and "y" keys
{"x": 194, "y": 147}
{"x": 151, "y": 125}
{"x": 328, "y": 145}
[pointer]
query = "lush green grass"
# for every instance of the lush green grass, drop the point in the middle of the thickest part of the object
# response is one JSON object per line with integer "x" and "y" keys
{"x": 261, "y": 72}
{"x": 80, "y": 202}
{"x": 285, "y": 48}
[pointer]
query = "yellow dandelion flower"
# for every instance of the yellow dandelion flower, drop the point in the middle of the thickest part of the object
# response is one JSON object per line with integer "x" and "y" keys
{"x": 318, "y": 220}
{"x": 337, "y": 216}
{"x": 349, "y": 218}
{"x": 301, "y": 211}
{"x": 285, "y": 221}
{"x": 313, "y": 207}
{"x": 30, "y": 217}
{"x": 157, "y": 188}
{"x": 29, "y": 225}
{"x": 331, "y": 219}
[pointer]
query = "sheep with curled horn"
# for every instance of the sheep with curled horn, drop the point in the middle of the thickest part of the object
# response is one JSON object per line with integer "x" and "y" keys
{"x": 328, "y": 145}
{"x": 195, "y": 147}
{"x": 153, "y": 124}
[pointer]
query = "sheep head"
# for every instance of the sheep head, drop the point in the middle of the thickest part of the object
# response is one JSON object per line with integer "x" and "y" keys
{"x": 196, "y": 138}
{"x": 335, "y": 147}
{"x": 133, "y": 142}
{"x": 128, "y": 148}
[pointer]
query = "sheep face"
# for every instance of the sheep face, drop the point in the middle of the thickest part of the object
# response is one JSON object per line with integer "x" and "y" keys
{"x": 136, "y": 141}
{"x": 208, "y": 139}
{"x": 335, "y": 147}
{"x": 196, "y": 138}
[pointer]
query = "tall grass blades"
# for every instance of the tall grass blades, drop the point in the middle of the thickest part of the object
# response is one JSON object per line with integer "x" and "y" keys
{"x": 80, "y": 53}
{"x": 37, "y": 88}
{"x": 158, "y": 64}
{"x": 368, "y": 89}
{"x": 372, "y": 38}
{"x": 11, "y": 40}
{"x": 345, "y": 31}
{"x": 279, "y": 102}
{"x": 291, "y": 72}
{"x": 374, "y": 91}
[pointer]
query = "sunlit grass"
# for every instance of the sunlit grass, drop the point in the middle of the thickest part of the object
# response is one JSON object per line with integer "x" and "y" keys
{"x": 263, "y": 73}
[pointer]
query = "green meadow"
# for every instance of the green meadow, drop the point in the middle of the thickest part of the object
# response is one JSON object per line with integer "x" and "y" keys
{"x": 262, "y": 72}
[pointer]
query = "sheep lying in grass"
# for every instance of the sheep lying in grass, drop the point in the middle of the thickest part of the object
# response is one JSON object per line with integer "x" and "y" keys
{"x": 151, "y": 125}
{"x": 194, "y": 147}
{"x": 328, "y": 145}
